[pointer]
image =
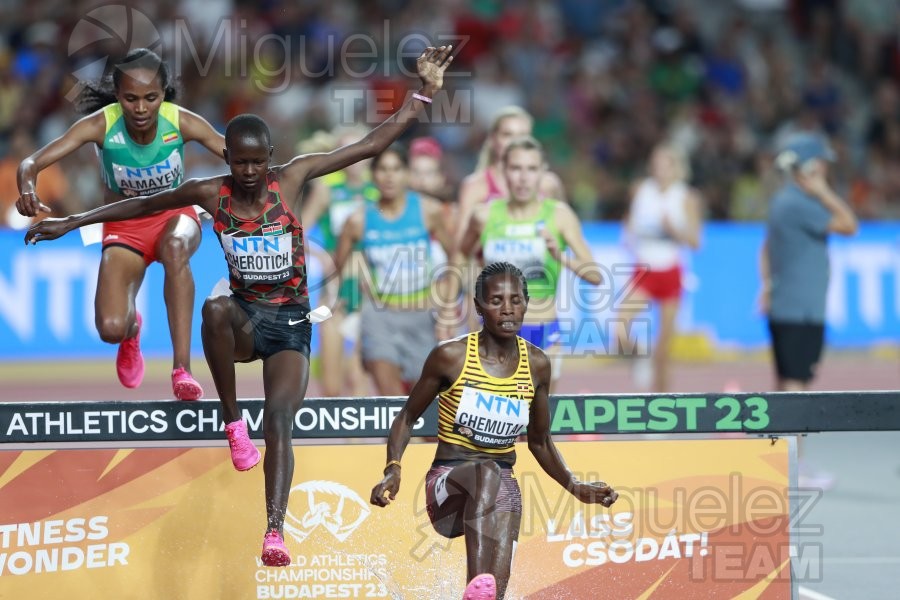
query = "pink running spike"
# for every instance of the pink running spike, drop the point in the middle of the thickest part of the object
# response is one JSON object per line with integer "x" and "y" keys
{"x": 244, "y": 455}
{"x": 184, "y": 386}
{"x": 130, "y": 361}
{"x": 482, "y": 587}
{"x": 274, "y": 552}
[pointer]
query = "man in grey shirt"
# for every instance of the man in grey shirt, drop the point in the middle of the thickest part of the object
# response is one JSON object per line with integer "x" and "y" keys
{"x": 794, "y": 262}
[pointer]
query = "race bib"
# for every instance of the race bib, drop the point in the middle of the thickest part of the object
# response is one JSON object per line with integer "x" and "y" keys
{"x": 339, "y": 212}
{"x": 400, "y": 269}
{"x": 490, "y": 420}
{"x": 259, "y": 258}
{"x": 529, "y": 254}
{"x": 144, "y": 181}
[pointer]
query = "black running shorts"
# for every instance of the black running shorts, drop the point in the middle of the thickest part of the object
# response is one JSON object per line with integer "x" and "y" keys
{"x": 277, "y": 328}
{"x": 797, "y": 348}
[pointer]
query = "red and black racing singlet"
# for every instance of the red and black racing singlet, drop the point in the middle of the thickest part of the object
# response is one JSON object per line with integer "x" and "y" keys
{"x": 265, "y": 254}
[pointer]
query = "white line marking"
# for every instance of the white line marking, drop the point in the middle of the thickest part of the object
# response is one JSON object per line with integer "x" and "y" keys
{"x": 807, "y": 594}
{"x": 863, "y": 560}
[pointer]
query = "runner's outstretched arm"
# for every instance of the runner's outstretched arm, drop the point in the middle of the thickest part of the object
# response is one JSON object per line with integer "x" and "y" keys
{"x": 541, "y": 445}
{"x": 431, "y": 66}
{"x": 193, "y": 191}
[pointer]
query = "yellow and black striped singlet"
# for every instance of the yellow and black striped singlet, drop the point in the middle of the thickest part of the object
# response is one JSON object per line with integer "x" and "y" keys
{"x": 486, "y": 413}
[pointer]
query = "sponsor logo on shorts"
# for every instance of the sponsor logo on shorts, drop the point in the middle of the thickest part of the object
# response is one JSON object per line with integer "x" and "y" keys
{"x": 466, "y": 432}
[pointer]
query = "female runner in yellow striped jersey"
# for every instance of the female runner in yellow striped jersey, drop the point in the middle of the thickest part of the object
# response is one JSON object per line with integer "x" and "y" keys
{"x": 491, "y": 384}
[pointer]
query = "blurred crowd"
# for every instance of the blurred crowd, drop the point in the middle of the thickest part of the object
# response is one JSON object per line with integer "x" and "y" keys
{"x": 606, "y": 80}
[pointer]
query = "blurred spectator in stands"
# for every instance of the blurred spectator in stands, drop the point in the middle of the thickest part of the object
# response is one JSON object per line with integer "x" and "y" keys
{"x": 675, "y": 76}
{"x": 885, "y": 116}
{"x": 12, "y": 91}
{"x": 822, "y": 96}
{"x": 52, "y": 187}
{"x": 724, "y": 70}
{"x": 873, "y": 26}
{"x": 753, "y": 187}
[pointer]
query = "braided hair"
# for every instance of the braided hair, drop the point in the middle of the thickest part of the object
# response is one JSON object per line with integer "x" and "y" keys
{"x": 499, "y": 268}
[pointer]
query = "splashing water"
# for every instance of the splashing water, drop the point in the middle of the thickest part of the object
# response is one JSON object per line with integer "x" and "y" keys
{"x": 385, "y": 578}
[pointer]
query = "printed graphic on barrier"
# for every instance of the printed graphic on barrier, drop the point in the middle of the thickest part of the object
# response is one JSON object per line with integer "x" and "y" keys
{"x": 694, "y": 519}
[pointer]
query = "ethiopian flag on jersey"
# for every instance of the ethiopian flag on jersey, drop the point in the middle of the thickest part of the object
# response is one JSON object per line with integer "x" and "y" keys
{"x": 133, "y": 169}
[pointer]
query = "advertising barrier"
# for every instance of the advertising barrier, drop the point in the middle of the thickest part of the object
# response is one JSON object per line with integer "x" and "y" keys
{"x": 695, "y": 518}
{"x": 47, "y": 293}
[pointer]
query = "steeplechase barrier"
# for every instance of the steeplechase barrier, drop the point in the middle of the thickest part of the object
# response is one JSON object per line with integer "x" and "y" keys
{"x": 139, "y": 500}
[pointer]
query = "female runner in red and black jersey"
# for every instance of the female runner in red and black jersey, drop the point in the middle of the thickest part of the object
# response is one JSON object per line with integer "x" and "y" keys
{"x": 263, "y": 244}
